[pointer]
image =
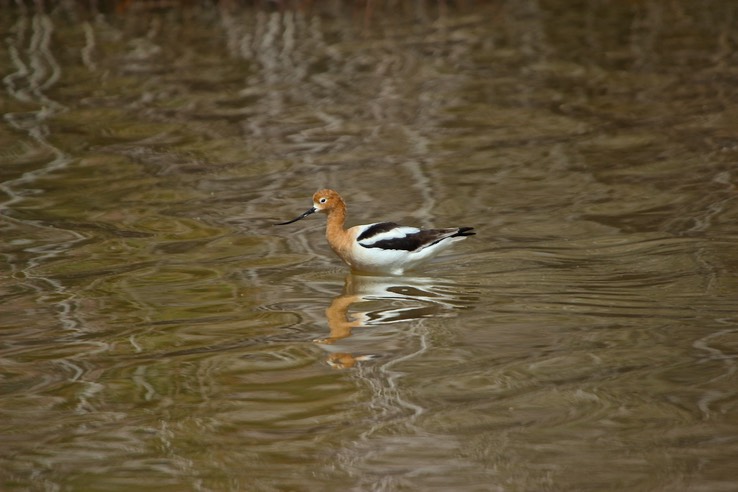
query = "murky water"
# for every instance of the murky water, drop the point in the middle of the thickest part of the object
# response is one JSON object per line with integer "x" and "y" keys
{"x": 159, "y": 334}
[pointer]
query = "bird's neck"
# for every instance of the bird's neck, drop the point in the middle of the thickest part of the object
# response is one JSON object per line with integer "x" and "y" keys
{"x": 336, "y": 220}
{"x": 338, "y": 237}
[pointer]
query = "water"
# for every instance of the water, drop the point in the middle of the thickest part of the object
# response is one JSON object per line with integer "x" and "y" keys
{"x": 159, "y": 333}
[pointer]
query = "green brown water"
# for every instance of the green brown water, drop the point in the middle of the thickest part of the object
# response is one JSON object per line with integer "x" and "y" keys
{"x": 158, "y": 333}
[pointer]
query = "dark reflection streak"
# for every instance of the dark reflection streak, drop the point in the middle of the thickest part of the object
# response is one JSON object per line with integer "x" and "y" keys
{"x": 627, "y": 247}
{"x": 269, "y": 54}
{"x": 102, "y": 228}
{"x": 110, "y": 271}
{"x": 605, "y": 310}
{"x": 211, "y": 349}
{"x": 288, "y": 36}
{"x": 640, "y": 40}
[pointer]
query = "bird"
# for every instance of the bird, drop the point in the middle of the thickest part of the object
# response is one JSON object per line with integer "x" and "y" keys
{"x": 381, "y": 247}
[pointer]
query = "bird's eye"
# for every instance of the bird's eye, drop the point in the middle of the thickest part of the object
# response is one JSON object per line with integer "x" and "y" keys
{"x": 323, "y": 200}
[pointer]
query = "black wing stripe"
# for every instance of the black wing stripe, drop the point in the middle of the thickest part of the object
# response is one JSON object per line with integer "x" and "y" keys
{"x": 419, "y": 240}
{"x": 375, "y": 229}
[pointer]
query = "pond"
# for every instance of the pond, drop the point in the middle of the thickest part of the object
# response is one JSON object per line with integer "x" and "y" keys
{"x": 159, "y": 333}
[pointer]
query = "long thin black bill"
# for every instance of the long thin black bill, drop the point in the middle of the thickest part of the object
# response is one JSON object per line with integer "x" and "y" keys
{"x": 308, "y": 212}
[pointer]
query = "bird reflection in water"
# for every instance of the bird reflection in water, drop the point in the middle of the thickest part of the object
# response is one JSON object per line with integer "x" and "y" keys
{"x": 389, "y": 300}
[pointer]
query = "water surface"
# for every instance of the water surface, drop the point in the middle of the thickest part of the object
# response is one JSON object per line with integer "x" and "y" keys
{"x": 159, "y": 333}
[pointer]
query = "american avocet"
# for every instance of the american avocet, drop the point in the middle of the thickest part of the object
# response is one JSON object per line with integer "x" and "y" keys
{"x": 383, "y": 247}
